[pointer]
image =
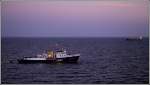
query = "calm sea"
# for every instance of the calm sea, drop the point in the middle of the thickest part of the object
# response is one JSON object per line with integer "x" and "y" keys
{"x": 102, "y": 61}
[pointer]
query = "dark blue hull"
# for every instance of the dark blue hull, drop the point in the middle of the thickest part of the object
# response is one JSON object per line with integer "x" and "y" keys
{"x": 73, "y": 59}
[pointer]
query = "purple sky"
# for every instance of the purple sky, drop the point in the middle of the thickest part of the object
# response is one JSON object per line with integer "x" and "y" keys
{"x": 75, "y": 18}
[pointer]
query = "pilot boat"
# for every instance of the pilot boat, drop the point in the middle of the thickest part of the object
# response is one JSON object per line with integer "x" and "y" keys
{"x": 52, "y": 57}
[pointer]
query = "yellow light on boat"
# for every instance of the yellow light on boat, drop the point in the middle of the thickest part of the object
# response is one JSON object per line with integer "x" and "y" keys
{"x": 49, "y": 55}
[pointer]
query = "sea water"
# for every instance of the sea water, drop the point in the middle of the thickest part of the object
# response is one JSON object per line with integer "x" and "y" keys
{"x": 102, "y": 61}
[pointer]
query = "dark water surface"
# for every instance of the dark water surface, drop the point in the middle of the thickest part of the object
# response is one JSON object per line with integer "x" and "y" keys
{"x": 103, "y": 60}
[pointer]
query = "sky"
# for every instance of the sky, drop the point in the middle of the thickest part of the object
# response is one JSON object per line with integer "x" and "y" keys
{"x": 109, "y": 18}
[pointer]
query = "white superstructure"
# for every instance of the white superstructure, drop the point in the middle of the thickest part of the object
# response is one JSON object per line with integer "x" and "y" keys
{"x": 61, "y": 54}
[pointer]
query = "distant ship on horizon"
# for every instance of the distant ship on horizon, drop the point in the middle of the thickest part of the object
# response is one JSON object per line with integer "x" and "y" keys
{"x": 134, "y": 38}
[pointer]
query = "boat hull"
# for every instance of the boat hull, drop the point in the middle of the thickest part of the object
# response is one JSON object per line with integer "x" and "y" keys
{"x": 73, "y": 59}
{"x": 22, "y": 61}
{"x": 68, "y": 59}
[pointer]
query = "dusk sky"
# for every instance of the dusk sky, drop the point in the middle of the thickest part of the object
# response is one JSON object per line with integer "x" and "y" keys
{"x": 107, "y": 18}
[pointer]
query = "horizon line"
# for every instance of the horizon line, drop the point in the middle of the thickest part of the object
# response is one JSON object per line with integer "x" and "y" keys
{"x": 73, "y": 37}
